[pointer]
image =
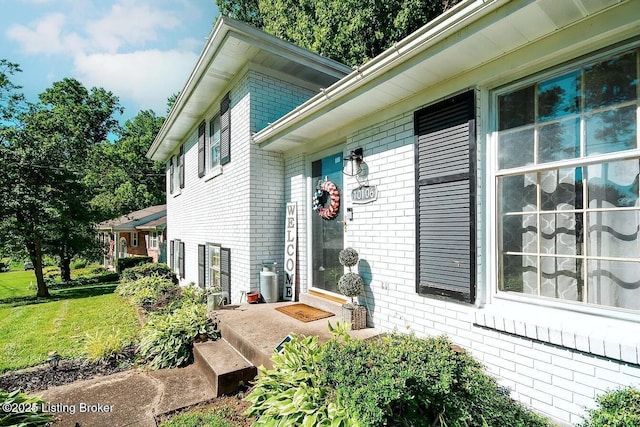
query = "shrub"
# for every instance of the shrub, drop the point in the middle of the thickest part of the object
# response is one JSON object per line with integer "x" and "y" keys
{"x": 167, "y": 339}
{"x": 77, "y": 263}
{"x": 292, "y": 392}
{"x": 128, "y": 262}
{"x": 103, "y": 346}
{"x": 404, "y": 380}
{"x": 351, "y": 285}
{"x": 21, "y": 416}
{"x": 617, "y": 408}
{"x": 348, "y": 257}
{"x": 149, "y": 269}
{"x": 148, "y": 292}
{"x": 49, "y": 261}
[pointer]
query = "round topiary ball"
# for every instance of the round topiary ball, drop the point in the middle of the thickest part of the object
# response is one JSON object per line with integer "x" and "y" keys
{"x": 348, "y": 257}
{"x": 351, "y": 285}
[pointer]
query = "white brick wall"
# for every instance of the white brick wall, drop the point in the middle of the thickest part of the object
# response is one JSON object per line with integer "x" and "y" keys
{"x": 241, "y": 208}
{"x": 528, "y": 358}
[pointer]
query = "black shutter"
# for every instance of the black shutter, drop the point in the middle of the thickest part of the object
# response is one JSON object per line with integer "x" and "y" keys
{"x": 225, "y": 130}
{"x": 225, "y": 271}
{"x": 445, "y": 199}
{"x": 201, "y": 265}
{"x": 171, "y": 172}
{"x": 181, "y": 259}
{"x": 171, "y": 255}
{"x": 181, "y": 170}
{"x": 201, "y": 149}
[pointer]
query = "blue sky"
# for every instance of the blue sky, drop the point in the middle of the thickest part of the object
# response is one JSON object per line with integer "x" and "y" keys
{"x": 141, "y": 50}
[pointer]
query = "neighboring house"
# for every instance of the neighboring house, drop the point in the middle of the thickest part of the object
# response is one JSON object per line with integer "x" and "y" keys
{"x": 141, "y": 232}
{"x": 498, "y": 199}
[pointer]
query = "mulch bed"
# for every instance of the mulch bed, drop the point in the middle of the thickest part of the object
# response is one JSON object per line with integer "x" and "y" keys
{"x": 43, "y": 377}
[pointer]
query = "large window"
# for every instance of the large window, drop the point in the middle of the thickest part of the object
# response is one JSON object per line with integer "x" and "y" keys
{"x": 568, "y": 199}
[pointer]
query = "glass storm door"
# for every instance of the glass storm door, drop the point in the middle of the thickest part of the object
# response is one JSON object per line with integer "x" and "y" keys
{"x": 327, "y": 235}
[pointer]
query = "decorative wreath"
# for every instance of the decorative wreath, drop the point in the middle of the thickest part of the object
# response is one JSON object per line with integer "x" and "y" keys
{"x": 326, "y": 190}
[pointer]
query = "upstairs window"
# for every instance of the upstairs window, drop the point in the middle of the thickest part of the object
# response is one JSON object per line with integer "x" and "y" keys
{"x": 214, "y": 142}
{"x": 568, "y": 202}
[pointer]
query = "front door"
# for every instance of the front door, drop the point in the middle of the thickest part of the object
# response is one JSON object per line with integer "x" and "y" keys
{"x": 327, "y": 234}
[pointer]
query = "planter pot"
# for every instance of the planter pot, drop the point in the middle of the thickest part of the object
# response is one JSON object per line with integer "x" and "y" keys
{"x": 214, "y": 301}
{"x": 356, "y": 315}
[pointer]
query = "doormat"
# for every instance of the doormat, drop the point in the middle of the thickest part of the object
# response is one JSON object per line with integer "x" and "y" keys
{"x": 304, "y": 312}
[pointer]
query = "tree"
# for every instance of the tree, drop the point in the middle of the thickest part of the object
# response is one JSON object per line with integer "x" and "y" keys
{"x": 45, "y": 153}
{"x": 349, "y": 31}
{"x": 123, "y": 178}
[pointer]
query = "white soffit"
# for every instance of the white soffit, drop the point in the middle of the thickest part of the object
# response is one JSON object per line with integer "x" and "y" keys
{"x": 471, "y": 34}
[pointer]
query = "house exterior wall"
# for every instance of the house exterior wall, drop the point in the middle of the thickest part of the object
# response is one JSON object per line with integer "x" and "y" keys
{"x": 240, "y": 208}
{"x": 552, "y": 358}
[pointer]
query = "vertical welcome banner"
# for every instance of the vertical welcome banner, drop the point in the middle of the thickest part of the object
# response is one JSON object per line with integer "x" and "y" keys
{"x": 290, "y": 252}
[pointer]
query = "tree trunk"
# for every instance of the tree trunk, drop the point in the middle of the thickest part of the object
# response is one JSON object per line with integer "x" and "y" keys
{"x": 65, "y": 267}
{"x": 34, "y": 247}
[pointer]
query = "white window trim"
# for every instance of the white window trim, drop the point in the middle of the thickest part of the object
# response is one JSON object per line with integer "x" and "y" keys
{"x": 210, "y": 171}
{"x": 600, "y": 330}
{"x": 135, "y": 239}
{"x": 208, "y": 267}
{"x": 151, "y": 240}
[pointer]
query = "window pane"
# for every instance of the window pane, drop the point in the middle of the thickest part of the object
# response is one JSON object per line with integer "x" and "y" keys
{"x": 561, "y": 234}
{"x": 559, "y": 141}
{"x": 520, "y": 274}
{"x": 561, "y": 189}
{"x": 611, "y": 82}
{"x": 611, "y": 131}
{"x": 614, "y": 283}
{"x": 562, "y": 278}
{"x": 520, "y": 233}
{"x": 613, "y": 184}
{"x": 214, "y": 141}
{"x": 516, "y": 108}
{"x": 515, "y": 148}
{"x": 518, "y": 193}
{"x": 559, "y": 96}
{"x": 614, "y": 234}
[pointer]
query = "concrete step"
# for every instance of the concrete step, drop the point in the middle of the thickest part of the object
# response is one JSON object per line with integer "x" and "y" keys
{"x": 252, "y": 348}
{"x": 223, "y": 366}
{"x": 326, "y": 303}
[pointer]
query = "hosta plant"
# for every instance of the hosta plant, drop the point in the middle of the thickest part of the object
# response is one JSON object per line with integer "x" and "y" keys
{"x": 20, "y": 409}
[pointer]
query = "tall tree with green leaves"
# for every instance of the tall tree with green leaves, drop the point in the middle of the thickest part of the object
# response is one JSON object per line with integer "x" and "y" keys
{"x": 122, "y": 177}
{"x": 349, "y": 31}
{"x": 46, "y": 152}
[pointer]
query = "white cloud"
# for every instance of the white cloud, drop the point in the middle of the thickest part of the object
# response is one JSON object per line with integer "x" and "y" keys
{"x": 128, "y": 22}
{"x": 46, "y": 37}
{"x": 146, "y": 77}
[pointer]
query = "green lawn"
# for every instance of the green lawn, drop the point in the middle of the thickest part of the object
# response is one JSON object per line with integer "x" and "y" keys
{"x": 16, "y": 284}
{"x": 32, "y": 327}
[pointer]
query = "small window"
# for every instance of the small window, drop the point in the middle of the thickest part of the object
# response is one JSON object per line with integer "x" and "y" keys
{"x": 213, "y": 150}
{"x": 213, "y": 266}
{"x": 153, "y": 239}
{"x": 134, "y": 239}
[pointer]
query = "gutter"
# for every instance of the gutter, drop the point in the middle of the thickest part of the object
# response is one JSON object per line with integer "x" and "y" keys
{"x": 436, "y": 30}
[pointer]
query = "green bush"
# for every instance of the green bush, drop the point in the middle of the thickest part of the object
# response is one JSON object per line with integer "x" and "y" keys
{"x": 105, "y": 346}
{"x": 391, "y": 380}
{"x": 617, "y": 408}
{"x": 128, "y": 262}
{"x": 49, "y": 261}
{"x": 149, "y": 269}
{"x": 27, "y": 412}
{"x": 167, "y": 339}
{"x": 148, "y": 292}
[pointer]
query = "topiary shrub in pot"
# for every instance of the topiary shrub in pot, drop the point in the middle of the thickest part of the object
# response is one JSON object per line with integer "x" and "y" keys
{"x": 352, "y": 285}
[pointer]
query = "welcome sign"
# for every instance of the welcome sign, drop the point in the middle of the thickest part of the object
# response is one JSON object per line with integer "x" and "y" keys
{"x": 290, "y": 252}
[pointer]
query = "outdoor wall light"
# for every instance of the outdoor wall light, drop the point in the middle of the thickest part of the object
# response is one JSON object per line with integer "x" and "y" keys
{"x": 352, "y": 163}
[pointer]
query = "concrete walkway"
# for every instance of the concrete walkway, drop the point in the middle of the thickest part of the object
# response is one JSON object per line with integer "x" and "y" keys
{"x": 131, "y": 398}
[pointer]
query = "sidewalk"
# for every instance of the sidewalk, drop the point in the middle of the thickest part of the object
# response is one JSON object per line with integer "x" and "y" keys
{"x": 131, "y": 398}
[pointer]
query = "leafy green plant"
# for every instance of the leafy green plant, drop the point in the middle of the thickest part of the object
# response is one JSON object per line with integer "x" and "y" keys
{"x": 147, "y": 291}
{"x": 27, "y": 412}
{"x": 291, "y": 393}
{"x": 149, "y": 269}
{"x": 616, "y": 408}
{"x": 78, "y": 263}
{"x": 106, "y": 345}
{"x": 167, "y": 339}
{"x": 403, "y": 380}
{"x": 124, "y": 263}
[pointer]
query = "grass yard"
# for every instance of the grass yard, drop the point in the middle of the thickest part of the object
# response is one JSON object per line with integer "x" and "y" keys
{"x": 32, "y": 327}
{"x": 15, "y": 284}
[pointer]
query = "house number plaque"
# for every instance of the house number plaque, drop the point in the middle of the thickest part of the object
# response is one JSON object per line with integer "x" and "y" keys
{"x": 364, "y": 194}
